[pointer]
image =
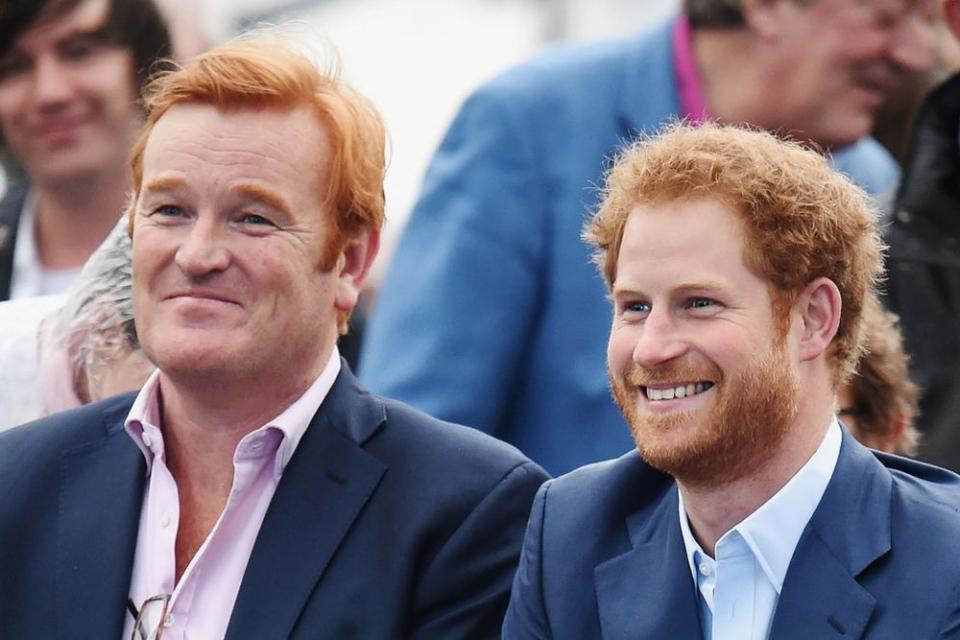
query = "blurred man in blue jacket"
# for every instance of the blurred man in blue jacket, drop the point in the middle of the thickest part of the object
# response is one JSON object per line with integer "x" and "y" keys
{"x": 490, "y": 314}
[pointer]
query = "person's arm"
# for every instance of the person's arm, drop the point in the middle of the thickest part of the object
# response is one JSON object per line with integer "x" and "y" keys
{"x": 464, "y": 590}
{"x": 527, "y": 615}
{"x": 452, "y": 320}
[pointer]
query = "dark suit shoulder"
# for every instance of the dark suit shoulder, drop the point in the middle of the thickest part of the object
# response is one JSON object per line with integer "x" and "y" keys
{"x": 445, "y": 447}
{"x": 600, "y": 497}
{"x": 926, "y": 491}
{"x": 28, "y": 446}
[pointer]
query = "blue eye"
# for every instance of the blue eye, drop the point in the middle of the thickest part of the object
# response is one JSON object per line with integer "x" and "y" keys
{"x": 635, "y": 307}
{"x": 255, "y": 219}
{"x": 701, "y": 303}
{"x": 169, "y": 210}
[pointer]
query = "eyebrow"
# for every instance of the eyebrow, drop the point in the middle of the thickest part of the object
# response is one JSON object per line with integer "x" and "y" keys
{"x": 250, "y": 190}
{"x": 692, "y": 285}
{"x": 260, "y": 193}
{"x": 163, "y": 183}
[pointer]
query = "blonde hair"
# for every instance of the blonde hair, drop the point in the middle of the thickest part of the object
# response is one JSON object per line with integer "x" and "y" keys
{"x": 803, "y": 219}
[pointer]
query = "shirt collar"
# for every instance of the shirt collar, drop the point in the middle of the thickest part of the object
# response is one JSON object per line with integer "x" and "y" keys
{"x": 693, "y": 103}
{"x": 292, "y": 423}
{"x": 774, "y": 529}
{"x": 30, "y": 278}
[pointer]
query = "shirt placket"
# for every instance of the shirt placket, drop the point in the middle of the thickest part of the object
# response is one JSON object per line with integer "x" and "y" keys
{"x": 733, "y": 609}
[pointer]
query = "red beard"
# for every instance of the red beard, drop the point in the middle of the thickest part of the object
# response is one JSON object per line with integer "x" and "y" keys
{"x": 747, "y": 420}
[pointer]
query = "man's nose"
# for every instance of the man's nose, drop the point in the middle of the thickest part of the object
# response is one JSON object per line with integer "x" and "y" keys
{"x": 51, "y": 82}
{"x": 202, "y": 251}
{"x": 911, "y": 46}
{"x": 660, "y": 340}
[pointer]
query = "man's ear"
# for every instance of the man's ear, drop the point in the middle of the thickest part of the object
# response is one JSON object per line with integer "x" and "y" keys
{"x": 951, "y": 16}
{"x": 353, "y": 264}
{"x": 765, "y": 18}
{"x": 819, "y": 308}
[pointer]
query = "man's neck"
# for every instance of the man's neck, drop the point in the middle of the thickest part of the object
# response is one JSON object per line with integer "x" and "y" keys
{"x": 72, "y": 217}
{"x": 735, "y": 76}
{"x": 202, "y": 426}
{"x": 714, "y": 509}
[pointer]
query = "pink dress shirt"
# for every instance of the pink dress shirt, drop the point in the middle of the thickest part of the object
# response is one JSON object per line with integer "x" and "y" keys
{"x": 203, "y": 600}
{"x": 693, "y": 105}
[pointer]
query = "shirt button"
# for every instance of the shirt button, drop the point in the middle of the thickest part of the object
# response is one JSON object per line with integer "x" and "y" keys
{"x": 705, "y": 569}
{"x": 256, "y": 445}
{"x": 165, "y": 520}
{"x": 147, "y": 440}
{"x": 168, "y": 621}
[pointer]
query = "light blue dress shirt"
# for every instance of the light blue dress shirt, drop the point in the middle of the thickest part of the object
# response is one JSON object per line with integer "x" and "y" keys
{"x": 739, "y": 588}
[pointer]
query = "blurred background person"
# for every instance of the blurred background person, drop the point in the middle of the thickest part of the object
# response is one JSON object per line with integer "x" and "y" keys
{"x": 879, "y": 402}
{"x": 70, "y": 76}
{"x": 923, "y": 263}
{"x": 491, "y": 314}
{"x": 60, "y": 352}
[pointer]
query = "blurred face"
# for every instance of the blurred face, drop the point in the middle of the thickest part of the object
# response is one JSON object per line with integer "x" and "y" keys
{"x": 840, "y": 60}
{"x": 67, "y": 98}
{"x": 229, "y": 233}
{"x": 695, "y": 362}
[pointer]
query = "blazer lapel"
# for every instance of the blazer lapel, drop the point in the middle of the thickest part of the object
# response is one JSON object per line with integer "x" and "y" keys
{"x": 648, "y": 592}
{"x": 323, "y": 489}
{"x": 850, "y": 530}
{"x": 101, "y": 490}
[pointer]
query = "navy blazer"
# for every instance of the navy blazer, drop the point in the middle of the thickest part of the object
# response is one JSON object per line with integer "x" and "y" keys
{"x": 385, "y": 524}
{"x": 880, "y": 558}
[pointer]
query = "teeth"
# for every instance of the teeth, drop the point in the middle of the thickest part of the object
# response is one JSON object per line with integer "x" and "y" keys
{"x": 680, "y": 391}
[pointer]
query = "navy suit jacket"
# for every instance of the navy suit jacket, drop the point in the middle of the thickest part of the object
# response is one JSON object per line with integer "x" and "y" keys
{"x": 880, "y": 558}
{"x": 385, "y": 524}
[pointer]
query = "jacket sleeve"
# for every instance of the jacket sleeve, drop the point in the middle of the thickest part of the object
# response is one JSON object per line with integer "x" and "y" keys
{"x": 527, "y": 614}
{"x": 451, "y": 322}
{"x": 465, "y": 589}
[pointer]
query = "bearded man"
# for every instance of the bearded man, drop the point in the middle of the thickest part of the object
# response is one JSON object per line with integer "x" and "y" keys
{"x": 739, "y": 267}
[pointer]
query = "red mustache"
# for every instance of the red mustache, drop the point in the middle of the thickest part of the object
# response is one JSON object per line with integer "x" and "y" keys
{"x": 674, "y": 372}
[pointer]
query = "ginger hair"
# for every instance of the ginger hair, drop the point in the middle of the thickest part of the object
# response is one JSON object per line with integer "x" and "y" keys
{"x": 803, "y": 219}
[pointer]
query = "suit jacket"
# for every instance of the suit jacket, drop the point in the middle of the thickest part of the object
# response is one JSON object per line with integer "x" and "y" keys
{"x": 385, "y": 524}
{"x": 923, "y": 270}
{"x": 11, "y": 206}
{"x": 509, "y": 329}
{"x": 880, "y": 558}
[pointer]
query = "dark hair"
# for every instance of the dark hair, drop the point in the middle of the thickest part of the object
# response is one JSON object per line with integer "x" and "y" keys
{"x": 718, "y": 14}
{"x": 136, "y": 25}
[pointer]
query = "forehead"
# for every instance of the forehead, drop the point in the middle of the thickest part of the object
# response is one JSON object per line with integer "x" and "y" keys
{"x": 55, "y": 24}
{"x": 690, "y": 239}
{"x": 286, "y": 148}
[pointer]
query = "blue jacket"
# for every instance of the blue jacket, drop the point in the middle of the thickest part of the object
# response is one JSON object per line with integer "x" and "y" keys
{"x": 386, "y": 524}
{"x": 491, "y": 314}
{"x": 879, "y": 559}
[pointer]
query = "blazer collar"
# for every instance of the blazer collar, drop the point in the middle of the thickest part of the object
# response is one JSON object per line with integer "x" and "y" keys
{"x": 648, "y": 592}
{"x": 323, "y": 489}
{"x": 848, "y": 532}
{"x": 649, "y": 95}
{"x": 101, "y": 490}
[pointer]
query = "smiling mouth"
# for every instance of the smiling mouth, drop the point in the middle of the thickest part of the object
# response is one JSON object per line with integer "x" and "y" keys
{"x": 678, "y": 391}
